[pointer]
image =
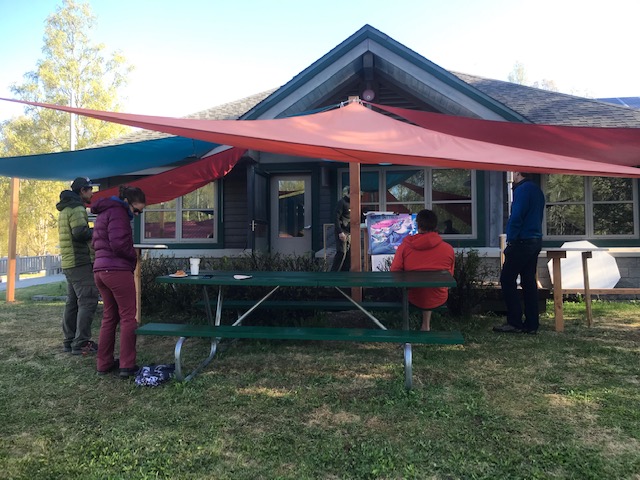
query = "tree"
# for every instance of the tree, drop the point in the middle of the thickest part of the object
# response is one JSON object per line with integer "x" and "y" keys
{"x": 73, "y": 71}
{"x": 518, "y": 74}
{"x": 545, "y": 84}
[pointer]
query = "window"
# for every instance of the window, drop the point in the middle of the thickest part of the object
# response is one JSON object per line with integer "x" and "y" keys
{"x": 448, "y": 192}
{"x": 190, "y": 218}
{"x": 451, "y": 200}
{"x": 591, "y": 207}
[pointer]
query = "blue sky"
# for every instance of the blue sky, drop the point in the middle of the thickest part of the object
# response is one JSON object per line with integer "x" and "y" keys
{"x": 194, "y": 54}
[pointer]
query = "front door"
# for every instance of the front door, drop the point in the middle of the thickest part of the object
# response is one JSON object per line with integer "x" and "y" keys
{"x": 258, "y": 201}
{"x": 291, "y": 214}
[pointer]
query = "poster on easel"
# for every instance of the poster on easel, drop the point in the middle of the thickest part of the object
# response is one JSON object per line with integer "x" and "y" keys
{"x": 387, "y": 230}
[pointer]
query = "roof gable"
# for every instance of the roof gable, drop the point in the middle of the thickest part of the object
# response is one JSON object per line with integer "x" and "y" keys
{"x": 370, "y": 59}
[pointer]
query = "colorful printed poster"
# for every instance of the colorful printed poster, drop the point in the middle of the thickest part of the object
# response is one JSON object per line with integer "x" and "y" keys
{"x": 387, "y": 230}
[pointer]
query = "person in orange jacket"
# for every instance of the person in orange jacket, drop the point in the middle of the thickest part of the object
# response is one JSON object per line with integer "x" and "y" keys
{"x": 425, "y": 251}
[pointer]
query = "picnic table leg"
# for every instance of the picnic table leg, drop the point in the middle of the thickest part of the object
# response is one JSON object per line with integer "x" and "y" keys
{"x": 248, "y": 312}
{"x": 178, "y": 357}
{"x": 408, "y": 356}
{"x": 587, "y": 291}
{"x": 557, "y": 288}
{"x": 179, "y": 375}
{"x": 408, "y": 367}
{"x": 362, "y": 309}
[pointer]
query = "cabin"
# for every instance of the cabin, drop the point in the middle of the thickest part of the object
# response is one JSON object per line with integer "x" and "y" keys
{"x": 285, "y": 204}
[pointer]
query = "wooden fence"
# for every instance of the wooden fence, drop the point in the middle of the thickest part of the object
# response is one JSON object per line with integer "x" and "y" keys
{"x": 50, "y": 264}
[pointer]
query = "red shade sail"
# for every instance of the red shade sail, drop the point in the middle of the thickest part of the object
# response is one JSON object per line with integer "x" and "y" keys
{"x": 182, "y": 180}
{"x": 619, "y": 146}
{"x": 354, "y": 133}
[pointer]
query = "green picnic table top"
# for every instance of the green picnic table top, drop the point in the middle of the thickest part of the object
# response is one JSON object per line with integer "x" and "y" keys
{"x": 318, "y": 279}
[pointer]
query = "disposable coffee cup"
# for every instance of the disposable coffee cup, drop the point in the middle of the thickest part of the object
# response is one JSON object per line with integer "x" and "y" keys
{"x": 195, "y": 266}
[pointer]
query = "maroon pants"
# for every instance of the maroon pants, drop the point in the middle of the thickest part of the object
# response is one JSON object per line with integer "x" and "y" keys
{"x": 118, "y": 293}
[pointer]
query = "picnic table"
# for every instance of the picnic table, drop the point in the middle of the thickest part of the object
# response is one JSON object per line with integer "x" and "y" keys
{"x": 276, "y": 280}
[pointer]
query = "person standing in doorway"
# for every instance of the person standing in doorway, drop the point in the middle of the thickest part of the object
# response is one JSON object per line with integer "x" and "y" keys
{"x": 524, "y": 242}
{"x": 425, "y": 251}
{"x": 77, "y": 258}
{"x": 342, "y": 222}
{"x": 113, "y": 269}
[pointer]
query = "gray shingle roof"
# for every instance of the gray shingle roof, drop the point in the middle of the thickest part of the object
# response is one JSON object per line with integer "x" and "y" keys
{"x": 553, "y": 108}
{"x": 227, "y": 111}
{"x": 631, "y": 102}
{"x": 538, "y": 106}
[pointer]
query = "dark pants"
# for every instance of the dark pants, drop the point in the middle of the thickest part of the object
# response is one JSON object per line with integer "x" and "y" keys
{"x": 342, "y": 260}
{"x": 82, "y": 301}
{"x": 521, "y": 258}
{"x": 119, "y": 298}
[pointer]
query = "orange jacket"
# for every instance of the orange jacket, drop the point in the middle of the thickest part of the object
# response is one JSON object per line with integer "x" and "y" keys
{"x": 425, "y": 251}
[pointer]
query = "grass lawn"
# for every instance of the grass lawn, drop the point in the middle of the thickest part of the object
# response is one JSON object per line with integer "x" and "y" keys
{"x": 555, "y": 405}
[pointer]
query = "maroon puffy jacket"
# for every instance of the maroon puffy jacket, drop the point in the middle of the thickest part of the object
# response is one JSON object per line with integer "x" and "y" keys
{"x": 113, "y": 236}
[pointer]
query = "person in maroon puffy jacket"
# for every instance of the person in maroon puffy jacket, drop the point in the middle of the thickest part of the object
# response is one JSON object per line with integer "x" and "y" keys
{"x": 425, "y": 251}
{"x": 113, "y": 272}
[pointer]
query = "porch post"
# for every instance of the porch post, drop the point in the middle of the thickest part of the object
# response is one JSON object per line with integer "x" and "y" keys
{"x": 354, "y": 202}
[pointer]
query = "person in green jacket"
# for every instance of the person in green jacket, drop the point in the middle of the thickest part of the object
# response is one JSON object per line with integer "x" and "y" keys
{"x": 77, "y": 265}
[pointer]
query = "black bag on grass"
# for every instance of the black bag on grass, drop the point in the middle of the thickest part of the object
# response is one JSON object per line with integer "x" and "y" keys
{"x": 154, "y": 375}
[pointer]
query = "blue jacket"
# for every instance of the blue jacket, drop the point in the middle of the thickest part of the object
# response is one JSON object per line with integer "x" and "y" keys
{"x": 527, "y": 210}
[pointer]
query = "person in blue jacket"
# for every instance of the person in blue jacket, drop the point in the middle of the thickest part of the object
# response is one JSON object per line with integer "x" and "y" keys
{"x": 524, "y": 242}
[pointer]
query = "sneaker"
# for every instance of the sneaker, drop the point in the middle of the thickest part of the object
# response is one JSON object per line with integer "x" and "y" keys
{"x": 129, "y": 372}
{"x": 506, "y": 328}
{"x": 66, "y": 348}
{"x": 114, "y": 366}
{"x": 88, "y": 348}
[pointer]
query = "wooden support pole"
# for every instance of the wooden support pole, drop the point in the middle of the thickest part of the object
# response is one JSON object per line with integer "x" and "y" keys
{"x": 14, "y": 201}
{"x": 354, "y": 202}
{"x": 137, "y": 281}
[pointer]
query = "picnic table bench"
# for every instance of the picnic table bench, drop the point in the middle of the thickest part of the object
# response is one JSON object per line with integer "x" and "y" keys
{"x": 315, "y": 304}
{"x": 216, "y": 332}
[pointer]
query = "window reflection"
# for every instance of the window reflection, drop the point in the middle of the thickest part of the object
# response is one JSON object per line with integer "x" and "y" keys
{"x": 451, "y": 197}
{"x": 290, "y": 208}
{"x": 190, "y": 217}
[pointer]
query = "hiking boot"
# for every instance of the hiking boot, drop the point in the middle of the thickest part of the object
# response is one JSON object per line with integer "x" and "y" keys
{"x": 129, "y": 372}
{"x": 88, "y": 348}
{"x": 114, "y": 366}
{"x": 506, "y": 328}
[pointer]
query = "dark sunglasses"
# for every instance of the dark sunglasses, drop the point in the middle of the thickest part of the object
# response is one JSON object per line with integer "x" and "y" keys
{"x": 137, "y": 210}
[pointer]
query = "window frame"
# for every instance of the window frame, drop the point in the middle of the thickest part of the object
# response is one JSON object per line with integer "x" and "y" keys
{"x": 589, "y": 203}
{"x": 178, "y": 211}
{"x": 428, "y": 193}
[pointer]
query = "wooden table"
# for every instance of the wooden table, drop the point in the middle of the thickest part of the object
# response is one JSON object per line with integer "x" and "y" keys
{"x": 557, "y": 255}
{"x": 137, "y": 276}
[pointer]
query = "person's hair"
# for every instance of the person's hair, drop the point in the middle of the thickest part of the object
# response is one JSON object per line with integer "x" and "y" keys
{"x": 525, "y": 174}
{"x": 132, "y": 194}
{"x": 427, "y": 221}
{"x": 346, "y": 191}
